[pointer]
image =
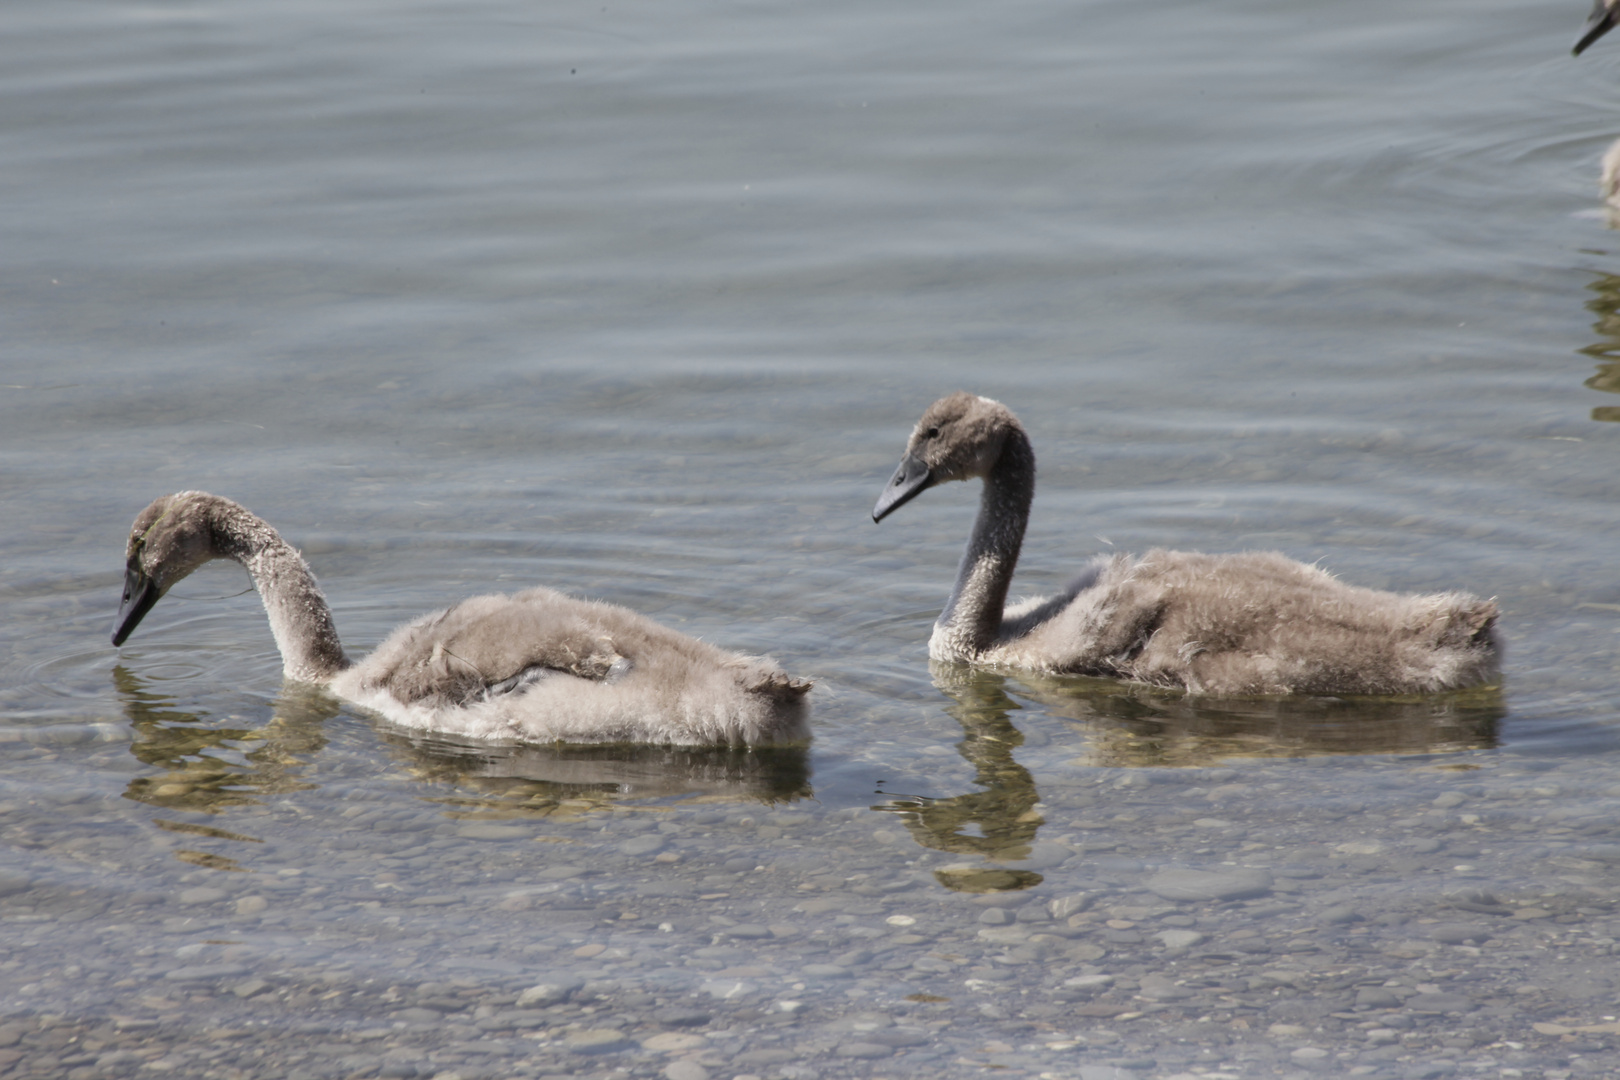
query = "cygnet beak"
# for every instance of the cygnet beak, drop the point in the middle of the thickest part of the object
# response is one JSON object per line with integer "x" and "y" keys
{"x": 140, "y": 593}
{"x": 911, "y": 479}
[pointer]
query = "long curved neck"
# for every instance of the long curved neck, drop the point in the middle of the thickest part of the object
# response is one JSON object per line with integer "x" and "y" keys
{"x": 299, "y": 616}
{"x": 971, "y": 621}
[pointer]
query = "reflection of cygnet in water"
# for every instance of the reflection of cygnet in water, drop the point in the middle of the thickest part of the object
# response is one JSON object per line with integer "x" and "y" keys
{"x": 534, "y": 776}
{"x": 536, "y": 665}
{"x": 999, "y": 821}
{"x": 1252, "y": 623}
{"x": 204, "y": 767}
{"x": 1600, "y": 22}
{"x": 1122, "y": 724}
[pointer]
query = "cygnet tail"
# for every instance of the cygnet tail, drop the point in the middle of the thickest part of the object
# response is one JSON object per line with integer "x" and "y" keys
{"x": 763, "y": 677}
{"x": 1458, "y": 646}
{"x": 1467, "y": 623}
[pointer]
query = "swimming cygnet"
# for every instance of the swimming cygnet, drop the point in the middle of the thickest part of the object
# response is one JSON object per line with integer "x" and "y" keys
{"x": 535, "y": 666}
{"x": 1253, "y": 623}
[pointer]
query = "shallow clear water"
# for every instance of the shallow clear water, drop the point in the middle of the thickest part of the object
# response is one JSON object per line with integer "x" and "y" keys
{"x": 640, "y": 301}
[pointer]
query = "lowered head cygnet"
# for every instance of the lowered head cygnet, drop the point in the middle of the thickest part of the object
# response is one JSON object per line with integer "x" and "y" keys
{"x": 536, "y": 666}
{"x": 1253, "y": 623}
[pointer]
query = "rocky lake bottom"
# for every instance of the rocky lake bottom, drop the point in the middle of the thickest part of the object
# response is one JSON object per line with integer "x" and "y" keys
{"x": 1411, "y": 917}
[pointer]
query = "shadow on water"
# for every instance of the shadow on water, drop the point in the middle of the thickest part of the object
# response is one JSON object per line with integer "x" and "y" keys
{"x": 1123, "y": 725}
{"x": 207, "y": 768}
{"x": 1605, "y": 304}
{"x": 507, "y": 781}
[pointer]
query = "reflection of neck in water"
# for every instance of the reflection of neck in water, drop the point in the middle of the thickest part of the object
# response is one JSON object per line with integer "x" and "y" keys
{"x": 207, "y": 769}
{"x": 1605, "y": 304}
{"x": 1004, "y": 811}
{"x": 566, "y": 780}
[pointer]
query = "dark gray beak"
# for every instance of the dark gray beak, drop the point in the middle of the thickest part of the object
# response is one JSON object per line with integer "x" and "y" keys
{"x": 911, "y": 479}
{"x": 140, "y": 593}
{"x": 1600, "y": 22}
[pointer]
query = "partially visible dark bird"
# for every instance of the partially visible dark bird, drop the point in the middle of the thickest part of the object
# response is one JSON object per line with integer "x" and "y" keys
{"x": 1600, "y": 22}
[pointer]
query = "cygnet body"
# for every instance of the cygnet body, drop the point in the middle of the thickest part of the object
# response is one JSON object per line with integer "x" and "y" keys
{"x": 1252, "y": 623}
{"x": 534, "y": 666}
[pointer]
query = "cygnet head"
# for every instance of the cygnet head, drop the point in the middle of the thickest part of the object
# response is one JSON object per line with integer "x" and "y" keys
{"x": 958, "y": 438}
{"x": 169, "y": 540}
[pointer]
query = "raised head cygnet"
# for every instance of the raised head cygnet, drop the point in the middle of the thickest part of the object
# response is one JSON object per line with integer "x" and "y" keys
{"x": 533, "y": 666}
{"x": 1253, "y": 623}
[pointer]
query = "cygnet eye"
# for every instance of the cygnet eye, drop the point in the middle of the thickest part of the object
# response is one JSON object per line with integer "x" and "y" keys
{"x": 931, "y": 433}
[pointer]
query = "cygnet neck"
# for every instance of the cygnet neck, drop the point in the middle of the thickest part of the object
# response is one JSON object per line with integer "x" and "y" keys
{"x": 971, "y": 621}
{"x": 300, "y": 618}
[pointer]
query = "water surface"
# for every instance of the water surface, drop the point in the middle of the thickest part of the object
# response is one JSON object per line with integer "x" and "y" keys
{"x": 640, "y": 301}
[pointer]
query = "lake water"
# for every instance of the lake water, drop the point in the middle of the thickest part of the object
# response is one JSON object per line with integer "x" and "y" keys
{"x": 640, "y": 301}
